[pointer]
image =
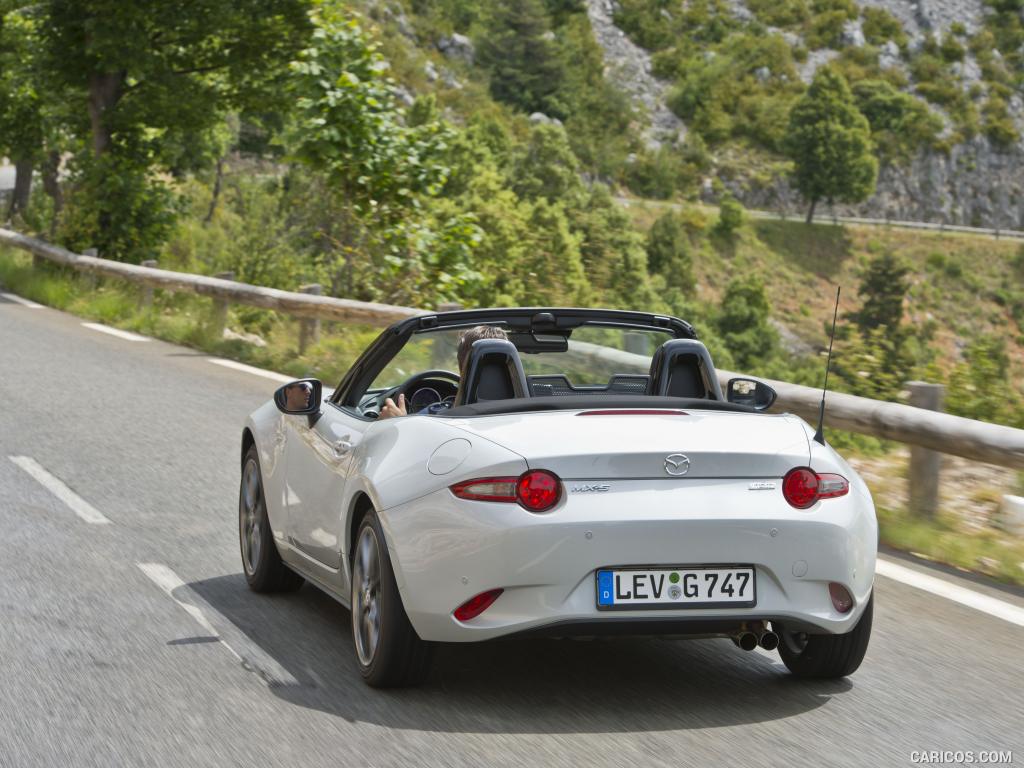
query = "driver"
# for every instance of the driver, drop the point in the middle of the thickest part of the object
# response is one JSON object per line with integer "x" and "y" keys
{"x": 391, "y": 408}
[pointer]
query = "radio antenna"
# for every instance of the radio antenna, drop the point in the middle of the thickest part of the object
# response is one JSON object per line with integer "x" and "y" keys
{"x": 819, "y": 436}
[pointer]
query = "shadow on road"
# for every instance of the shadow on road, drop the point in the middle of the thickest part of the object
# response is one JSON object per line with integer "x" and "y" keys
{"x": 524, "y": 686}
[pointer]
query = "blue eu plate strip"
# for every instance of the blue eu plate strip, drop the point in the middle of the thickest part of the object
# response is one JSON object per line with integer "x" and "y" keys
{"x": 605, "y": 585}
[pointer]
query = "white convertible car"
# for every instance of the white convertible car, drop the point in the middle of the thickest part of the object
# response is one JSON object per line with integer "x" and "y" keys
{"x": 582, "y": 474}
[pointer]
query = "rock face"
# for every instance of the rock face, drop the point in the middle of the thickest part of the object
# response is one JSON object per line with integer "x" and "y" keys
{"x": 629, "y": 66}
{"x": 457, "y": 46}
{"x": 975, "y": 184}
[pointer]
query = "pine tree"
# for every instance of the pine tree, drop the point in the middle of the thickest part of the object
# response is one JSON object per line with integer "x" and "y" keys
{"x": 829, "y": 141}
{"x": 519, "y": 50}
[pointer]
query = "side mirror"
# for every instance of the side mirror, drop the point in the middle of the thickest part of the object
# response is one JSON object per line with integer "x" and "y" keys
{"x": 756, "y": 394}
{"x": 300, "y": 398}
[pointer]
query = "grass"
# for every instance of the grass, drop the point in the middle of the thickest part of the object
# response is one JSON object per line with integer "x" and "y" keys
{"x": 184, "y": 319}
{"x": 801, "y": 264}
{"x": 990, "y": 552}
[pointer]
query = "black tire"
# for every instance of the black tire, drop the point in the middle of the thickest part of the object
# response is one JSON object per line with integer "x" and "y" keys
{"x": 828, "y": 656}
{"x": 398, "y": 657}
{"x": 261, "y": 561}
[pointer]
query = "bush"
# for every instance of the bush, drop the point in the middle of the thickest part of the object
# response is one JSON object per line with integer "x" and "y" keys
{"x": 730, "y": 215}
{"x": 881, "y": 26}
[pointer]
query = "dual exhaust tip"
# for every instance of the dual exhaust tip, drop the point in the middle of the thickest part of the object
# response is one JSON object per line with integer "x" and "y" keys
{"x": 748, "y": 641}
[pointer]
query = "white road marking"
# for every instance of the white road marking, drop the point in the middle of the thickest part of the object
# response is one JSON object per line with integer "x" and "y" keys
{"x": 279, "y": 377}
{"x": 980, "y": 602}
{"x": 252, "y": 657}
{"x": 126, "y": 335}
{"x": 58, "y": 488}
{"x": 18, "y": 300}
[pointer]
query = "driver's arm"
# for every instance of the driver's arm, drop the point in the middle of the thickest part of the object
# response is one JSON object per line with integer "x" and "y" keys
{"x": 393, "y": 409}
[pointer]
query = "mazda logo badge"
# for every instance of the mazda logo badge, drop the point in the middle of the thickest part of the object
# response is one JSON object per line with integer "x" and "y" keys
{"x": 677, "y": 464}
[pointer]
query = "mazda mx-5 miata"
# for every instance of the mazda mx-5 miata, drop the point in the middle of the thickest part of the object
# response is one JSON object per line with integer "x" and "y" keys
{"x": 582, "y": 474}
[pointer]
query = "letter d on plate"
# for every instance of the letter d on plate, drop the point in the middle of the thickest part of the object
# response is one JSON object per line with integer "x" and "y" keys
{"x": 605, "y": 585}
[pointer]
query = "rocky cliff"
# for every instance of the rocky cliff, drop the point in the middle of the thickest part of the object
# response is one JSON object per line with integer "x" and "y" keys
{"x": 975, "y": 183}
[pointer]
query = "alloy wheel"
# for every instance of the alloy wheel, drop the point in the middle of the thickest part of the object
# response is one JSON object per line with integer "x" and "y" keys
{"x": 366, "y": 596}
{"x": 249, "y": 517}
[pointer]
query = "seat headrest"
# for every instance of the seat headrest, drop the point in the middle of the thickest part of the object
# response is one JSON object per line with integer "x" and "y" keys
{"x": 683, "y": 368}
{"x": 493, "y": 372}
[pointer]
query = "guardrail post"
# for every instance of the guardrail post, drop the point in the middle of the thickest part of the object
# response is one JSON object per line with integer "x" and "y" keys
{"x": 309, "y": 327}
{"x": 923, "y": 474}
{"x": 146, "y": 294}
{"x": 219, "y": 319}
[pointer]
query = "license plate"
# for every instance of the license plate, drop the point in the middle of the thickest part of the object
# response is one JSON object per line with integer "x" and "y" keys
{"x": 681, "y": 587}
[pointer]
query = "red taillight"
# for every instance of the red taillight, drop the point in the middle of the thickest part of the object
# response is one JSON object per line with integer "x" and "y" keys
{"x": 537, "y": 490}
{"x": 477, "y": 605}
{"x": 802, "y": 487}
{"x": 841, "y": 597}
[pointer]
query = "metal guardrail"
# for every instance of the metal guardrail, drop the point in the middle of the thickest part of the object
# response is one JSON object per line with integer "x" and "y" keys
{"x": 980, "y": 441}
{"x": 997, "y": 233}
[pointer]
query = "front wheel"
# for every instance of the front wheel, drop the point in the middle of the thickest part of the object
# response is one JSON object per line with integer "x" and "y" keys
{"x": 827, "y": 656}
{"x": 388, "y": 650}
{"x": 264, "y": 570}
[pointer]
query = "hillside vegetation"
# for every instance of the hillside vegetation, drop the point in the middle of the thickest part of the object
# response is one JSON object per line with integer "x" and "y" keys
{"x": 442, "y": 150}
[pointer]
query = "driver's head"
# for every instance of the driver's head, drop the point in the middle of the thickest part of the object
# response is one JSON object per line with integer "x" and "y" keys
{"x": 475, "y": 334}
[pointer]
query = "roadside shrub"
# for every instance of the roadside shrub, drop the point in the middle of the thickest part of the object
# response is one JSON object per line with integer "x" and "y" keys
{"x": 730, "y": 216}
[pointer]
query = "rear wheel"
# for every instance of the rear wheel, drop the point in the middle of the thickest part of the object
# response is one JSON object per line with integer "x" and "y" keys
{"x": 264, "y": 570}
{"x": 826, "y": 656}
{"x": 388, "y": 650}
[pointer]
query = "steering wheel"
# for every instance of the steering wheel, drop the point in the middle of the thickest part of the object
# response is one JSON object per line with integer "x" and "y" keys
{"x": 409, "y": 384}
{"x": 438, "y": 373}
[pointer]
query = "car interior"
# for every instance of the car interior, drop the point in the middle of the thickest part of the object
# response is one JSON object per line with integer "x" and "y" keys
{"x": 496, "y": 381}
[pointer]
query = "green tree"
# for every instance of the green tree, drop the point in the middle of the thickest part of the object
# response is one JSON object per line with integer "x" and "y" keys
{"x": 743, "y": 325}
{"x": 829, "y": 141}
{"x": 730, "y": 215}
{"x": 900, "y": 124}
{"x": 149, "y": 78}
{"x": 883, "y": 288}
{"x": 547, "y": 166}
{"x": 876, "y": 359}
{"x": 378, "y": 167}
{"x": 521, "y": 56}
{"x": 980, "y": 387}
{"x": 668, "y": 252}
{"x": 27, "y": 116}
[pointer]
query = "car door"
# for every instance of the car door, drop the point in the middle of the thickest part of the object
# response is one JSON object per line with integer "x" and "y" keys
{"x": 318, "y": 461}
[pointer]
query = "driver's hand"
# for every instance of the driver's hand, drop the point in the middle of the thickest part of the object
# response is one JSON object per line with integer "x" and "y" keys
{"x": 391, "y": 409}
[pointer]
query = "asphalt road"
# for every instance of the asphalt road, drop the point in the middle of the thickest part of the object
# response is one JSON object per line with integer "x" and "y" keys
{"x": 176, "y": 663}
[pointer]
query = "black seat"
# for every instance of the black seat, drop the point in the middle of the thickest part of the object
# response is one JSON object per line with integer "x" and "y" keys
{"x": 493, "y": 372}
{"x": 683, "y": 368}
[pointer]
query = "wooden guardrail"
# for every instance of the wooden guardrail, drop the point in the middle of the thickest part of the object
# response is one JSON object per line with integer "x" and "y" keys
{"x": 297, "y": 304}
{"x": 980, "y": 441}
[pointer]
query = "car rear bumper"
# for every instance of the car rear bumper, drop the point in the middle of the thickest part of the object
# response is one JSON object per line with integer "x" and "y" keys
{"x": 446, "y": 550}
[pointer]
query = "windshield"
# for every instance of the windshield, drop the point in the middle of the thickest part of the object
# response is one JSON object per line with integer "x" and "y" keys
{"x": 593, "y": 355}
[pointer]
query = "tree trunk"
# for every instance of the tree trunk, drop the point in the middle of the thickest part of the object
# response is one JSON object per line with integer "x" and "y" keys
{"x": 216, "y": 191}
{"x": 105, "y": 90}
{"x": 51, "y": 185}
{"x": 810, "y": 212}
{"x": 22, "y": 187}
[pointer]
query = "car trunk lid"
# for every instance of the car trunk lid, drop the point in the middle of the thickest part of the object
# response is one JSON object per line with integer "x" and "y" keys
{"x": 649, "y": 443}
